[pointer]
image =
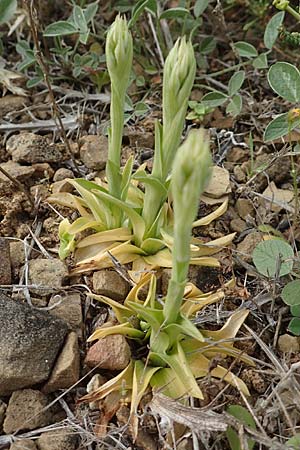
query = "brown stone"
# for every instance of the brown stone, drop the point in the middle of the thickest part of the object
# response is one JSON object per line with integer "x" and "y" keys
{"x": 244, "y": 207}
{"x": 237, "y": 225}
{"x": 23, "y": 444}
{"x": 49, "y": 274}
{"x": 5, "y": 264}
{"x": 111, "y": 353}
{"x": 288, "y": 344}
{"x": 66, "y": 370}
{"x": 62, "y": 173}
{"x": 94, "y": 151}
{"x": 110, "y": 284}
{"x": 246, "y": 247}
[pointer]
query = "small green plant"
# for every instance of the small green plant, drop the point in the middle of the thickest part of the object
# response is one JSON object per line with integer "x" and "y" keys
{"x": 275, "y": 258}
{"x": 243, "y": 415}
{"x": 179, "y": 352}
{"x": 135, "y": 224}
{"x": 67, "y": 56}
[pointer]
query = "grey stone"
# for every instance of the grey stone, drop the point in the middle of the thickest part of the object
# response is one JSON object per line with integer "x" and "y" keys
{"x": 62, "y": 173}
{"x": 47, "y": 273}
{"x": 68, "y": 309}
{"x": 63, "y": 439}
{"x": 29, "y": 343}
{"x": 27, "y": 410}
{"x": 15, "y": 170}
{"x": 32, "y": 148}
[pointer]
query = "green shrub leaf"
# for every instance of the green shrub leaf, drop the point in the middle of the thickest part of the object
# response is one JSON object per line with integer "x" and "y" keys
{"x": 236, "y": 81}
{"x": 61, "y": 28}
{"x": 245, "y": 50}
{"x": 200, "y": 7}
{"x": 7, "y": 10}
{"x": 234, "y": 107}
{"x": 174, "y": 13}
{"x": 272, "y": 29}
{"x": 214, "y": 99}
{"x": 273, "y": 257}
{"x": 291, "y": 293}
{"x": 284, "y": 79}
{"x": 280, "y": 126}
{"x": 241, "y": 413}
{"x": 294, "y": 442}
{"x": 294, "y": 327}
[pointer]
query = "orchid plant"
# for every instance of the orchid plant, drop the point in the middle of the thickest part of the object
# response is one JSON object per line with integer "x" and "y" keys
{"x": 179, "y": 353}
{"x": 130, "y": 213}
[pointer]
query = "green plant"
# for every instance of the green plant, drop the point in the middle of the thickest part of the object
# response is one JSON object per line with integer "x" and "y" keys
{"x": 179, "y": 353}
{"x": 241, "y": 413}
{"x": 275, "y": 258}
{"x": 135, "y": 224}
{"x": 67, "y": 56}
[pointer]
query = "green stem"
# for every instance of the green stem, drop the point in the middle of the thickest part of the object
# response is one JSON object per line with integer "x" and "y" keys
{"x": 293, "y": 12}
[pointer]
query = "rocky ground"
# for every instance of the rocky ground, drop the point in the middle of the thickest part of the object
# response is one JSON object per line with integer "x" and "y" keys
{"x": 46, "y": 363}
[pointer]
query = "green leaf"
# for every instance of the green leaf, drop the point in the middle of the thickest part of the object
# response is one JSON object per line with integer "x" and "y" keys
{"x": 207, "y": 45}
{"x": 7, "y": 10}
{"x": 174, "y": 13}
{"x": 139, "y": 9}
{"x": 290, "y": 294}
{"x": 79, "y": 19}
{"x": 284, "y": 79}
{"x": 141, "y": 109}
{"x": 294, "y": 327}
{"x": 294, "y": 442}
{"x": 90, "y": 11}
{"x": 273, "y": 258}
{"x": 60, "y": 28}
{"x": 236, "y": 82}
{"x": 280, "y": 126}
{"x": 200, "y": 7}
{"x": 272, "y": 29}
{"x": 295, "y": 310}
{"x": 245, "y": 50}
{"x": 261, "y": 62}
{"x": 214, "y": 99}
{"x": 234, "y": 107}
{"x": 243, "y": 415}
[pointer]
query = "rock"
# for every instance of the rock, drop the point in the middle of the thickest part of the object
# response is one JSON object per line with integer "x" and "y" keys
{"x": 23, "y": 444}
{"x": 29, "y": 343}
{"x": 95, "y": 382}
{"x": 3, "y": 407}
{"x": 142, "y": 139}
{"x": 42, "y": 171}
{"x": 68, "y": 309}
{"x": 26, "y": 411}
{"x": 66, "y": 370}
{"x": 237, "y": 154}
{"x": 39, "y": 191}
{"x": 246, "y": 247}
{"x": 12, "y": 103}
{"x": 15, "y": 170}
{"x": 244, "y": 207}
{"x": 288, "y": 344}
{"x": 5, "y": 264}
{"x": 237, "y": 225}
{"x": 32, "y": 148}
{"x": 48, "y": 273}
{"x": 239, "y": 174}
{"x": 110, "y": 284}
{"x": 62, "y": 439}
{"x": 94, "y": 151}
{"x": 111, "y": 353}
{"x": 276, "y": 199}
{"x": 62, "y": 173}
{"x": 219, "y": 183}
{"x": 61, "y": 186}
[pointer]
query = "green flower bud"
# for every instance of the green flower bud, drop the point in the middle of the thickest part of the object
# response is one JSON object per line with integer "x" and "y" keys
{"x": 119, "y": 51}
{"x": 179, "y": 75}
